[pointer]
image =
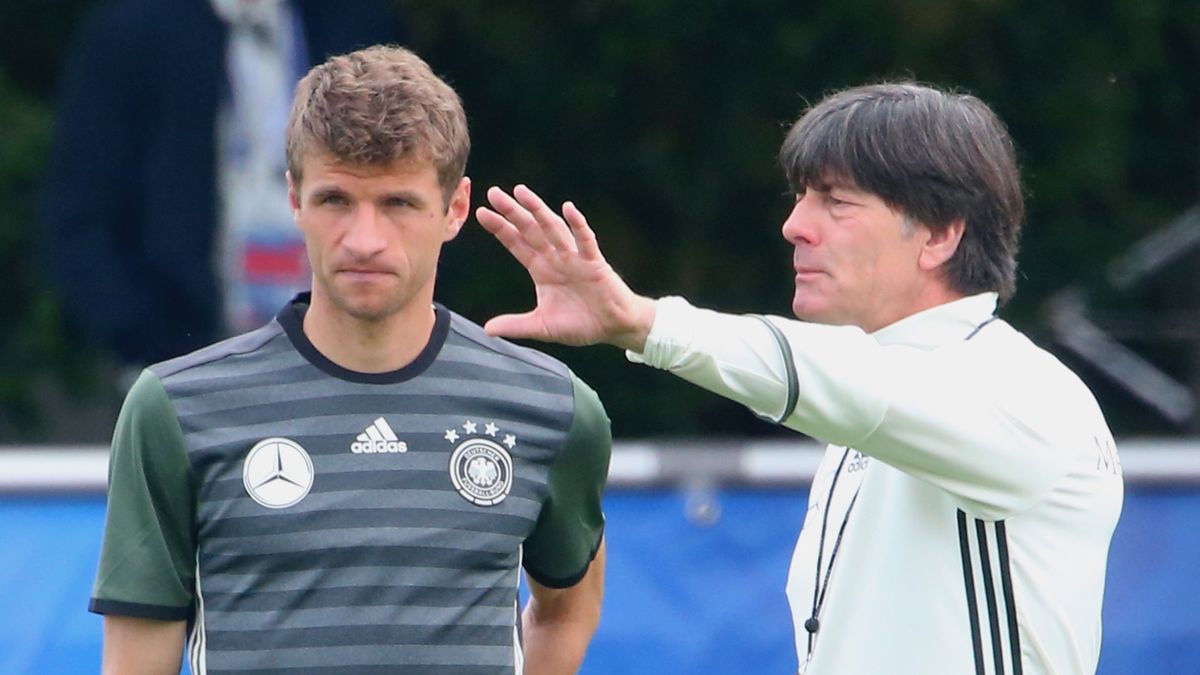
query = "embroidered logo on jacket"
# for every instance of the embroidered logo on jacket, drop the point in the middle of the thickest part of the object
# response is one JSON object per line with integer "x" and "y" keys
{"x": 481, "y": 468}
{"x": 277, "y": 473}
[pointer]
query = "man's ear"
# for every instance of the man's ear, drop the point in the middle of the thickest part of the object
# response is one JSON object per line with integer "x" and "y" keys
{"x": 939, "y": 248}
{"x": 458, "y": 209}
{"x": 293, "y": 195}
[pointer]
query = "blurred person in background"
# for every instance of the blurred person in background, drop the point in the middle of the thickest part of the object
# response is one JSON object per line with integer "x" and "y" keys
{"x": 165, "y": 206}
{"x": 356, "y": 486}
{"x": 961, "y": 518}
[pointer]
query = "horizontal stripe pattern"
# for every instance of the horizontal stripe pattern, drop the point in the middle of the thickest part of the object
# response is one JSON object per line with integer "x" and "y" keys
{"x": 417, "y": 658}
{"x": 260, "y": 526}
{"x": 219, "y": 440}
{"x": 391, "y": 634}
{"x": 365, "y": 616}
{"x": 399, "y": 595}
{"x": 416, "y": 541}
{"x": 382, "y": 566}
{"x": 379, "y": 496}
{"x": 393, "y": 472}
{"x": 345, "y": 577}
{"x": 422, "y": 433}
{"x": 415, "y": 397}
{"x": 374, "y": 556}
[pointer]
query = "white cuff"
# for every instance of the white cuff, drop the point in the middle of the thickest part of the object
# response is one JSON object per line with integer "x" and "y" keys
{"x": 668, "y": 337}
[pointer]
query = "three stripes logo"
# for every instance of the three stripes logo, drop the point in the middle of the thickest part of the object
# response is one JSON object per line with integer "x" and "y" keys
{"x": 378, "y": 437}
{"x": 991, "y": 604}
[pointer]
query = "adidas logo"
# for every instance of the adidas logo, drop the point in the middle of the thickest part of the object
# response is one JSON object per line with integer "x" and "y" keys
{"x": 378, "y": 437}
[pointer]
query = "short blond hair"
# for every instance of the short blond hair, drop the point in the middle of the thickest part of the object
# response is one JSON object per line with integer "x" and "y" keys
{"x": 375, "y": 106}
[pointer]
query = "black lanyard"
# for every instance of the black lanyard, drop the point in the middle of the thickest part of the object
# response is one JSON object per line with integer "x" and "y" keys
{"x": 812, "y": 624}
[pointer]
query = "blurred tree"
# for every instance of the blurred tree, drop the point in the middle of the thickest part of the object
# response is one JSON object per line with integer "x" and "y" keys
{"x": 39, "y": 361}
{"x": 43, "y": 371}
{"x": 662, "y": 120}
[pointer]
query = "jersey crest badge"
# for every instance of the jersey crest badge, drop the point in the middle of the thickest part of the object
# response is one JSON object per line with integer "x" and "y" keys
{"x": 480, "y": 466}
{"x": 277, "y": 473}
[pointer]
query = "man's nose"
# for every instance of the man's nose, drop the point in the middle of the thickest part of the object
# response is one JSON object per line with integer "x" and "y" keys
{"x": 365, "y": 236}
{"x": 801, "y": 224}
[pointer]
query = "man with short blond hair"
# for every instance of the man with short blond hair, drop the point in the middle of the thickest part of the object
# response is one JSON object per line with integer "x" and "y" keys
{"x": 355, "y": 487}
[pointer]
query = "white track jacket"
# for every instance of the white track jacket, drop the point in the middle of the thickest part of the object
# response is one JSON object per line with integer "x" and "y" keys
{"x": 960, "y": 520}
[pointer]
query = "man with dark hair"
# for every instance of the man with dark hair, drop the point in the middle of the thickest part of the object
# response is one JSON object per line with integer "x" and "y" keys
{"x": 961, "y": 518}
{"x": 354, "y": 487}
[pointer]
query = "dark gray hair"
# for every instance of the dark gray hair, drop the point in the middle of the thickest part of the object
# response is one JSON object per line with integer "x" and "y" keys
{"x": 935, "y": 156}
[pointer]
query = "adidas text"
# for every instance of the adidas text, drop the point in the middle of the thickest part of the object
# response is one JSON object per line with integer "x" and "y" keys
{"x": 378, "y": 446}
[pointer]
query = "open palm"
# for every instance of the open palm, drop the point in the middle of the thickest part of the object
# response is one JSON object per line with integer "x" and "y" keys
{"x": 580, "y": 298}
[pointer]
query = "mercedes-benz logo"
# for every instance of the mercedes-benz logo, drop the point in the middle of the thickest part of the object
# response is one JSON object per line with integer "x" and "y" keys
{"x": 277, "y": 473}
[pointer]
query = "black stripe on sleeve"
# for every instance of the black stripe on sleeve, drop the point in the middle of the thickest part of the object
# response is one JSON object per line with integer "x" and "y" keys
{"x": 989, "y": 588}
{"x": 1014, "y": 635}
{"x": 570, "y": 580}
{"x": 139, "y": 610}
{"x": 785, "y": 351}
{"x": 969, "y": 577}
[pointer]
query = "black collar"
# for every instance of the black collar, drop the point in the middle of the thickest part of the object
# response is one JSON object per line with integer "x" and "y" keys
{"x": 291, "y": 317}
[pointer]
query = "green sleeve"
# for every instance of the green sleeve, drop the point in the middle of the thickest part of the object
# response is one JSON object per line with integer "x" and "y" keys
{"x": 148, "y": 557}
{"x": 571, "y": 525}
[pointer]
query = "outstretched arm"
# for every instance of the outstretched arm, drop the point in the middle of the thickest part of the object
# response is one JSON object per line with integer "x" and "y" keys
{"x": 580, "y": 298}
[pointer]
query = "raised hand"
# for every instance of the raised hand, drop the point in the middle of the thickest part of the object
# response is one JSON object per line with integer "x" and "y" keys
{"x": 580, "y": 298}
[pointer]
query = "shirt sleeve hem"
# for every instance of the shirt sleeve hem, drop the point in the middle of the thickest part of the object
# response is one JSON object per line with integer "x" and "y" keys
{"x": 139, "y": 610}
{"x": 568, "y": 581}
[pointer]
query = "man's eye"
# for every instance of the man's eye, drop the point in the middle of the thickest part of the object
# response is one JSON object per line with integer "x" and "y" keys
{"x": 333, "y": 200}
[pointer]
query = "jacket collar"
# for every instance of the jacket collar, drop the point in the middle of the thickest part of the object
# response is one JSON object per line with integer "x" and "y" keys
{"x": 940, "y": 325}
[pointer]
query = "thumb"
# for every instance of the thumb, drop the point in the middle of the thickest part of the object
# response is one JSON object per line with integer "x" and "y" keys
{"x": 515, "y": 326}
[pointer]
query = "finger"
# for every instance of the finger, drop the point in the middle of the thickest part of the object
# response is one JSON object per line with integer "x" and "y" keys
{"x": 507, "y": 234}
{"x": 501, "y": 200}
{"x": 519, "y": 217}
{"x": 553, "y": 227}
{"x": 516, "y": 326}
{"x": 585, "y": 238}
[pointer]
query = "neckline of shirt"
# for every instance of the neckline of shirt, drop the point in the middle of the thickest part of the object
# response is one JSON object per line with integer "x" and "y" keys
{"x": 940, "y": 325}
{"x": 291, "y": 318}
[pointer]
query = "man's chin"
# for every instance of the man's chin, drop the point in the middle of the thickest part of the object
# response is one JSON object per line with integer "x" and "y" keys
{"x": 368, "y": 314}
{"x": 805, "y": 309}
{"x": 369, "y": 309}
{"x": 810, "y": 312}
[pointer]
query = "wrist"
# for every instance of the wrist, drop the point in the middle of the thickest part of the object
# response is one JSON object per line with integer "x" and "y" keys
{"x": 637, "y": 320}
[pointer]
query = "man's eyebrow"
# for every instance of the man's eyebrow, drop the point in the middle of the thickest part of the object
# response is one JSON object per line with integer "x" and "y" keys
{"x": 326, "y": 191}
{"x": 409, "y": 196}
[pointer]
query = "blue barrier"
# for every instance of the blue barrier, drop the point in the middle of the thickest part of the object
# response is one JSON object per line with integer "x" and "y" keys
{"x": 691, "y": 589}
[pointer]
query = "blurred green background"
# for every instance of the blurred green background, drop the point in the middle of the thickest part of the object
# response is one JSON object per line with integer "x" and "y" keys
{"x": 661, "y": 119}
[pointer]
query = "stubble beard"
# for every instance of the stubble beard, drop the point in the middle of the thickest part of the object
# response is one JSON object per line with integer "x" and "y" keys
{"x": 366, "y": 310}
